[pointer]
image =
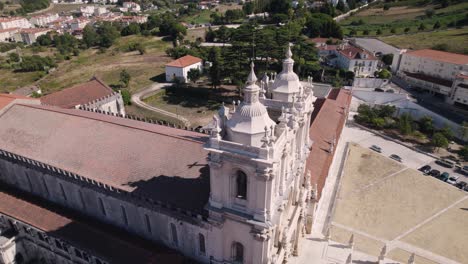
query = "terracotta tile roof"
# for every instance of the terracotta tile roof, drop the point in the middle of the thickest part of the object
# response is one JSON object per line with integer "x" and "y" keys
{"x": 34, "y": 30}
{"x": 440, "y": 56}
{"x": 8, "y": 19}
{"x": 9, "y": 29}
{"x": 323, "y": 40}
{"x": 431, "y": 79}
{"x": 352, "y": 52}
{"x": 328, "y": 47}
{"x": 184, "y": 61}
{"x": 6, "y": 99}
{"x": 153, "y": 161}
{"x": 78, "y": 95}
{"x": 104, "y": 242}
{"x": 328, "y": 121}
{"x": 463, "y": 76}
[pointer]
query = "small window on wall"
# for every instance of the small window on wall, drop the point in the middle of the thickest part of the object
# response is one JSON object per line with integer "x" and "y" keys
{"x": 241, "y": 185}
{"x": 175, "y": 240}
{"x": 201, "y": 244}
{"x": 237, "y": 252}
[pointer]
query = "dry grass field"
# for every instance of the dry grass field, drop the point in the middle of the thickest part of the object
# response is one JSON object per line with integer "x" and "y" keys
{"x": 383, "y": 202}
{"x": 108, "y": 65}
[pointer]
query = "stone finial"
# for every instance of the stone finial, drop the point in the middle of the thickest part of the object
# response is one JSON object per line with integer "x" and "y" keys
{"x": 328, "y": 234}
{"x": 252, "y": 78}
{"x": 411, "y": 259}
{"x": 351, "y": 241}
{"x": 349, "y": 259}
{"x": 265, "y": 140}
{"x": 383, "y": 253}
{"x": 288, "y": 51}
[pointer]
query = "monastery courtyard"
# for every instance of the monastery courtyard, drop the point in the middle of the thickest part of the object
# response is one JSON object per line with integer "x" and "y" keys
{"x": 383, "y": 202}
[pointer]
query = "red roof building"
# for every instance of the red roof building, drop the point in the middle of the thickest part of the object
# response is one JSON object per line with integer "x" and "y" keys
{"x": 184, "y": 61}
{"x": 328, "y": 120}
{"x": 443, "y": 56}
{"x": 178, "y": 69}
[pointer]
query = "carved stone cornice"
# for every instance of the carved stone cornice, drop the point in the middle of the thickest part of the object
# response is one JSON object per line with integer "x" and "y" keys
{"x": 265, "y": 174}
{"x": 261, "y": 235}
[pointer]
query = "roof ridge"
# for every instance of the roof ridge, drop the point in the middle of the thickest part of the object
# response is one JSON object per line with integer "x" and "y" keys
{"x": 101, "y": 82}
{"x": 61, "y": 111}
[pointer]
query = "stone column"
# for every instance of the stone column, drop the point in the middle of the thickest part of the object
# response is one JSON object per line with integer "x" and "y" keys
{"x": 298, "y": 234}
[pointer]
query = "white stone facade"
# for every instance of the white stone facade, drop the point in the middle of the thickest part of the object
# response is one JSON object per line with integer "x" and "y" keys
{"x": 181, "y": 73}
{"x": 43, "y": 20}
{"x": 259, "y": 189}
{"x": 14, "y": 22}
{"x": 112, "y": 104}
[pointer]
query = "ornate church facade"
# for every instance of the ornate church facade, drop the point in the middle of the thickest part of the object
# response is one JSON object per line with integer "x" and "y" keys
{"x": 237, "y": 195}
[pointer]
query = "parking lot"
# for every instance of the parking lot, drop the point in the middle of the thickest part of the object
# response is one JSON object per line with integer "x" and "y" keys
{"x": 410, "y": 158}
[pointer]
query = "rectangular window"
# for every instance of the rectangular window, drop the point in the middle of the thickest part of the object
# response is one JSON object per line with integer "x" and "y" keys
{"x": 63, "y": 192}
{"x": 45, "y": 186}
{"x": 124, "y": 215}
{"x": 148, "y": 223}
{"x": 101, "y": 205}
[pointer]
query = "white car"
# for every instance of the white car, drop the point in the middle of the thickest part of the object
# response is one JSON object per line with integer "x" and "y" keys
{"x": 452, "y": 180}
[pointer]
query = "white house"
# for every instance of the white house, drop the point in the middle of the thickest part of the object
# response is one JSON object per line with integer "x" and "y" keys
{"x": 360, "y": 61}
{"x": 14, "y": 22}
{"x": 8, "y": 35}
{"x": 438, "y": 72}
{"x": 179, "y": 68}
{"x": 30, "y": 35}
{"x": 42, "y": 20}
{"x": 131, "y": 6}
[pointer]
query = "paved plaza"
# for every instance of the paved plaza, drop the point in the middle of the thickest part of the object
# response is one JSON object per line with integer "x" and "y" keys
{"x": 385, "y": 203}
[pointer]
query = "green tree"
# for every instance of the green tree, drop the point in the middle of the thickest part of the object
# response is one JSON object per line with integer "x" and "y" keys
{"x": 387, "y": 59}
{"x": 2, "y": 6}
{"x": 393, "y": 30}
{"x": 124, "y": 78}
{"x": 447, "y": 132}
{"x": 248, "y": 7}
{"x": 353, "y": 32}
{"x": 90, "y": 37}
{"x": 45, "y": 40}
{"x": 426, "y": 125}
{"x": 421, "y": 27}
{"x": 341, "y": 6}
{"x": 405, "y": 124}
{"x": 365, "y": 32}
{"x": 429, "y": 12}
{"x": 438, "y": 140}
{"x": 464, "y": 130}
{"x": 140, "y": 48}
{"x": 463, "y": 153}
{"x": 193, "y": 75}
{"x": 132, "y": 29}
{"x": 126, "y": 96}
{"x": 384, "y": 74}
{"x": 436, "y": 25}
{"x": 108, "y": 34}
{"x": 379, "y": 32}
{"x": 13, "y": 57}
{"x": 407, "y": 29}
{"x": 386, "y": 7}
{"x": 215, "y": 69}
{"x": 352, "y": 4}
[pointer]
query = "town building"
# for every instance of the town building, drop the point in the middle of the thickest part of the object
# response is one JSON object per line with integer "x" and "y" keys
{"x": 14, "y": 22}
{"x": 43, "y": 20}
{"x": 79, "y": 23}
{"x": 30, "y": 35}
{"x": 93, "y": 95}
{"x": 178, "y": 69}
{"x": 8, "y": 35}
{"x": 131, "y": 7}
{"x": 240, "y": 194}
{"x": 438, "y": 72}
{"x": 127, "y": 20}
{"x": 348, "y": 57}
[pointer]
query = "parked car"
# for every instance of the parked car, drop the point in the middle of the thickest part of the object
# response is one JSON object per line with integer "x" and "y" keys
{"x": 396, "y": 157}
{"x": 434, "y": 173}
{"x": 425, "y": 169}
{"x": 452, "y": 180}
{"x": 376, "y": 148}
{"x": 461, "y": 185}
{"x": 446, "y": 163}
{"x": 464, "y": 170}
{"x": 444, "y": 176}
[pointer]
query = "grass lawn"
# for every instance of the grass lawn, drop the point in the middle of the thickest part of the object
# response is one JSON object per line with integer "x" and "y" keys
{"x": 58, "y": 8}
{"x": 455, "y": 39}
{"x": 10, "y": 81}
{"x": 200, "y": 18}
{"x": 108, "y": 65}
{"x": 401, "y": 17}
{"x": 198, "y": 104}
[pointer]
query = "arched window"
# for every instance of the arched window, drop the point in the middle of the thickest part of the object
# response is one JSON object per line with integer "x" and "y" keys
{"x": 241, "y": 185}
{"x": 201, "y": 244}
{"x": 174, "y": 234}
{"x": 237, "y": 252}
